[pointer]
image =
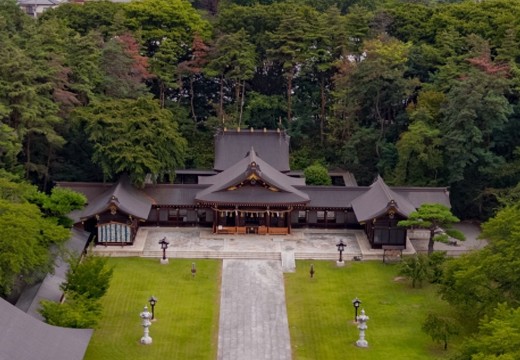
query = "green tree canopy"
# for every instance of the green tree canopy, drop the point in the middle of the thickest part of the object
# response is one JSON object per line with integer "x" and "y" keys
{"x": 137, "y": 137}
{"x": 317, "y": 174}
{"x": 27, "y": 237}
{"x": 434, "y": 217}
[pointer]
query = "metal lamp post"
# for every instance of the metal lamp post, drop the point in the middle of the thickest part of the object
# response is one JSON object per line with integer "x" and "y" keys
{"x": 356, "y": 302}
{"x": 164, "y": 245}
{"x": 341, "y": 248}
{"x": 152, "y": 301}
{"x": 193, "y": 270}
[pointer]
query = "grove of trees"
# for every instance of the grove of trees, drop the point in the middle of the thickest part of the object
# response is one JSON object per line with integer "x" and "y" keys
{"x": 423, "y": 92}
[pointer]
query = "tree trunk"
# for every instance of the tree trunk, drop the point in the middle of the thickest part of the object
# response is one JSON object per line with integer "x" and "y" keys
{"x": 237, "y": 100}
{"x": 46, "y": 177}
{"x": 242, "y": 102}
{"x": 431, "y": 242}
{"x": 161, "y": 93}
{"x": 28, "y": 155}
{"x": 289, "y": 97}
{"x": 221, "y": 99}
{"x": 322, "y": 109}
{"x": 192, "y": 100}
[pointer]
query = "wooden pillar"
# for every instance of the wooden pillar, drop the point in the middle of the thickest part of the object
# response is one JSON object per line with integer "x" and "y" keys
{"x": 289, "y": 217}
{"x": 325, "y": 215}
{"x": 268, "y": 220}
{"x": 215, "y": 220}
{"x": 158, "y": 214}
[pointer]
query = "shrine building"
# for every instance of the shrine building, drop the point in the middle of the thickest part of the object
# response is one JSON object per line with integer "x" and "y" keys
{"x": 251, "y": 190}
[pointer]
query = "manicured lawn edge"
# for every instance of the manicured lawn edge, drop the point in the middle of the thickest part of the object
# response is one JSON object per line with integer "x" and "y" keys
{"x": 186, "y": 312}
{"x": 321, "y": 313}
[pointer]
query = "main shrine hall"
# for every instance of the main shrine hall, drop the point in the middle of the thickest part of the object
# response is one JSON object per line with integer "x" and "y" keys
{"x": 250, "y": 190}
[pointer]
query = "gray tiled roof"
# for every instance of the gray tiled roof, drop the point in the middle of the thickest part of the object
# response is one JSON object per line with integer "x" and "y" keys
{"x": 24, "y": 337}
{"x": 174, "y": 194}
{"x": 332, "y": 196}
{"x": 49, "y": 288}
{"x": 122, "y": 194}
{"x": 39, "y": 2}
{"x": 232, "y": 146}
{"x": 379, "y": 198}
{"x": 237, "y": 173}
{"x": 90, "y": 190}
{"x": 418, "y": 196}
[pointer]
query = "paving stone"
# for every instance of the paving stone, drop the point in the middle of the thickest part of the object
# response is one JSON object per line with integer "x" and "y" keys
{"x": 253, "y": 316}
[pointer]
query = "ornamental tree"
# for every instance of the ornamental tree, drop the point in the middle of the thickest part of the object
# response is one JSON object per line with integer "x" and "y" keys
{"x": 434, "y": 217}
{"x": 440, "y": 328}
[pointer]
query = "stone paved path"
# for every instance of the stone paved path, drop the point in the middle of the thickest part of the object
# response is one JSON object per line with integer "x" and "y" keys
{"x": 253, "y": 316}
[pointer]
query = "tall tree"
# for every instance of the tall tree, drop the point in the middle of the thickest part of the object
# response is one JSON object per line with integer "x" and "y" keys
{"x": 420, "y": 155}
{"x": 125, "y": 69}
{"x": 233, "y": 58}
{"x": 137, "y": 137}
{"x": 193, "y": 67}
{"x": 291, "y": 44}
{"x": 476, "y": 108}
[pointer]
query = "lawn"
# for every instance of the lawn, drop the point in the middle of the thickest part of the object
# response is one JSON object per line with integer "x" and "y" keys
{"x": 321, "y": 313}
{"x": 186, "y": 325}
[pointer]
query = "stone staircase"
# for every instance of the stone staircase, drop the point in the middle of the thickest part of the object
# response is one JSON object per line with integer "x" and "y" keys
{"x": 211, "y": 254}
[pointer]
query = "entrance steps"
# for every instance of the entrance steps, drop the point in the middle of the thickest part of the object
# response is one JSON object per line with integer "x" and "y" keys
{"x": 187, "y": 254}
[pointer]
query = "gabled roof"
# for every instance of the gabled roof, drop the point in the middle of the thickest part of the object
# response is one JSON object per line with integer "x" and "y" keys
{"x": 378, "y": 199}
{"x": 252, "y": 181}
{"x": 173, "y": 194}
{"x": 124, "y": 196}
{"x": 232, "y": 146}
{"x": 332, "y": 196}
{"x": 24, "y": 337}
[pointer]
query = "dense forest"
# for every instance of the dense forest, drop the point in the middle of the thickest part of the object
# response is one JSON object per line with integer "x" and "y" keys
{"x": 422, "y": 92}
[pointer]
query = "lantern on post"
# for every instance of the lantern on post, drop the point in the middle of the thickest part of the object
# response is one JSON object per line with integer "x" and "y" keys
{"x": 341, "y": 248}
{"x": 164, "y": 245}
{"x": 356, "y": 303}
{"x": 153, "y": 301}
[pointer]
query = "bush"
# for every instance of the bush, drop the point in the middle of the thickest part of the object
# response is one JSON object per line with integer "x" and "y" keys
{"x": 436, "y": 263}
{"x": 89, "y": 278}
{"x": 415, "y": 268}
{"x": 440, "y": 328}
{"x": 317, "y": 174}
{"x": 77, "y": 311}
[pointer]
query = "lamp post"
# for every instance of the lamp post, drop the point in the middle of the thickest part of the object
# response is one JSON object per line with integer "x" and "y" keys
{"x": 356, "y": 302}
{"x": 341, "y": 247}
{"x": 164, "y": 245}
{"x": 193, "y": 270}
{"x": 152, "y": 300}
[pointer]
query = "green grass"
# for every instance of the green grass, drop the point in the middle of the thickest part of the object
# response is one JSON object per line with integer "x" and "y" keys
{"x": 321, "y": 313}
{"x": 186, "y": 313}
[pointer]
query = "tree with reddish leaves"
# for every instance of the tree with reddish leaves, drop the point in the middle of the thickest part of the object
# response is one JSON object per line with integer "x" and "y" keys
{"x": 193, "y": 67}
{"x": 125, "y": 68}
